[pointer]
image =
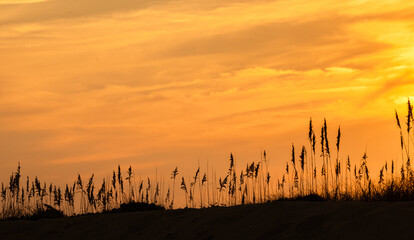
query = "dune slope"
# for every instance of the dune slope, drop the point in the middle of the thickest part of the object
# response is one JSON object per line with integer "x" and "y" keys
{"x": 277, "y": 220}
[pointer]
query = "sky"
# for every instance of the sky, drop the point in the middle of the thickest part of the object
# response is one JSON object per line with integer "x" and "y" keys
{"x": 88, "y": 85}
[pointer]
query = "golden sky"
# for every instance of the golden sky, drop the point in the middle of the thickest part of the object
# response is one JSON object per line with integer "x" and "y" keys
{"x": 85, "y": 85}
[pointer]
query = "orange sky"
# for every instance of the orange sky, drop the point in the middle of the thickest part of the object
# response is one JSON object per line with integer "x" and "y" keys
{"x": 85, "y": 85}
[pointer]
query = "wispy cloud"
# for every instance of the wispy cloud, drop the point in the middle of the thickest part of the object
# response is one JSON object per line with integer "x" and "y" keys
{"x": 11, "y": 2}
{"x": 51, "y": 10}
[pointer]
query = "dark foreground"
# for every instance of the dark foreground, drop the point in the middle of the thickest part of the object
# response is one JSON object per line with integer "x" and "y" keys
{"x": 278, "y": 220}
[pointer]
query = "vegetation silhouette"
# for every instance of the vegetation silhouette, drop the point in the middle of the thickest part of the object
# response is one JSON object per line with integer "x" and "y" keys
{"x": 306, "y": 178}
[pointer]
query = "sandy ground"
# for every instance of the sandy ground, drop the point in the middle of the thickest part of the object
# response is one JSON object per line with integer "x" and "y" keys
{"x": 278, "y": 220}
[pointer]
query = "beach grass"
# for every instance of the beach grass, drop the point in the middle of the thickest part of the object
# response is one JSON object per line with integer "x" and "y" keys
{"x": 314, "y": 173}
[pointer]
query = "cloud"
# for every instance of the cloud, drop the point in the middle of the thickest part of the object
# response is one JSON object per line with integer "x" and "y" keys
{"x": 12, "y": 2}
{"x": 283, "y": 111}
{"x": 262, "y": 72}
{"x": 283, "y": 44}
{"x": 390, "y": 84}
{"x": 66, "y": 9}
{"x": 25, "y": 11}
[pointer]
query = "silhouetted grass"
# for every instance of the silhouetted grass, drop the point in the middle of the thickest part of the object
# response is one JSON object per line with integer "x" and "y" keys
{"x": 40, "y": 213}
{"x": 48, "y": 212}
{"x": 306, "y": 177}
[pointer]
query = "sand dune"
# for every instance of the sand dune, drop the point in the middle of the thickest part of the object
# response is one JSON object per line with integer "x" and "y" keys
{"x": 277, "y": 220}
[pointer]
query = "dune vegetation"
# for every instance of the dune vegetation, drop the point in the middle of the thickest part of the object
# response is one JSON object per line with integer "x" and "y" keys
{"x": 318, "y": 171}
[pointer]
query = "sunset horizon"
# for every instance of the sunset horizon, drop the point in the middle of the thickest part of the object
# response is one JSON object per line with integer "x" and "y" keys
{"x": 87, "y": 86}
{"x": 230, "y": 119}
